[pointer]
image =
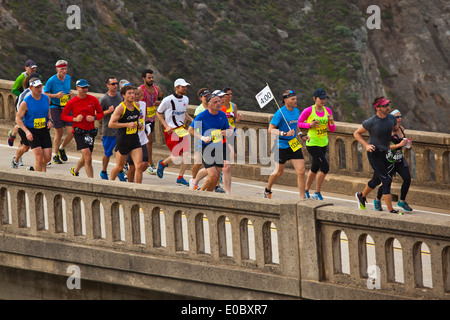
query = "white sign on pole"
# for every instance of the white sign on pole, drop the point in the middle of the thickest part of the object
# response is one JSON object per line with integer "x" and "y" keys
{"x": 264, "y": 97}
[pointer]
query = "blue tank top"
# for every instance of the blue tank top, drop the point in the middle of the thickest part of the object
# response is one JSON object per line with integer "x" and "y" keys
{"x": 37, "y": 114}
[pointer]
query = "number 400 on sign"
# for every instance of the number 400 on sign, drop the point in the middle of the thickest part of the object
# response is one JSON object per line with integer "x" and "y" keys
{"x": 264, "y": 96}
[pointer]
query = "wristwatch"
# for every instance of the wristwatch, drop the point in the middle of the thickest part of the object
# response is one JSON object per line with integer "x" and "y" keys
{"x": 283, "y": 133}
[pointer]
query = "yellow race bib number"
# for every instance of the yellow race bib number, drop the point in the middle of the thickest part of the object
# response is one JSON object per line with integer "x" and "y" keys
{"x": 151, "y": 112}
{"x": 39, "y": 123}
{"x": 322, "y": 130}
{"x": 132, "y": 130}
{"x": 294, "y": 144}
{"x": 181, "y": 132}
{"x": 63, "y": 101}
{"x": 216, "y": 136}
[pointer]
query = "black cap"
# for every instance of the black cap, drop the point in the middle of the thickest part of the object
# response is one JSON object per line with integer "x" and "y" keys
{"x": 320, "y": 93}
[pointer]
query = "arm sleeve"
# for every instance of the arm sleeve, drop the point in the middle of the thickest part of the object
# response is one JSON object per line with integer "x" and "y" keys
{"x": 332, "y": 127}
{"x": 303, "y": 117}
{"x": 65, "y": 114}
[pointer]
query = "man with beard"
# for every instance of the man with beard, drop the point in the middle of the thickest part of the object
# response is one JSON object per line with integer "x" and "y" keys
{"x": 152, "y": 96}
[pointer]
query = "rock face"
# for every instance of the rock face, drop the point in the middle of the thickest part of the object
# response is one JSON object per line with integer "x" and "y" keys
{"x": 412, "y": 54}
{"x": 301, "y": 45}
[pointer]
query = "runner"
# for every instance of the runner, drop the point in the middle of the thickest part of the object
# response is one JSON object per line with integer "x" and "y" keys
{"x": 233, "y": 116}
{"x": 380, "y": 128}
{"x": 210, "y": 127}
{"x": 109, "y": 103}
{"x": 152, "y": 96}
{"x": 24, "y": 146}
{"x": 318, "y": 119}
{"x": 18, "y": 88}
{"x": 193, "y": 183}
{"x": 126, "y": 119}
{"x": 203, "y": 95}
{"x": 83, "y": 110}
{"x": 289, "y": 148}
{"x": 397, "y": 164}
{"x": 142, "y": 139}
{"x": 33, "y": 121}
{"x": 172, "y": 113}
{"x": 58, "y": 90}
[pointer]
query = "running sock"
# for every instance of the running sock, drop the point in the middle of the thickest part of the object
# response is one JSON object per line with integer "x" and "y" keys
{"x": 180, "y": 177}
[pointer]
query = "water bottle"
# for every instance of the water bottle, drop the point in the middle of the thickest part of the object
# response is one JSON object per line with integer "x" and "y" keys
{"x": 408, "y": 142}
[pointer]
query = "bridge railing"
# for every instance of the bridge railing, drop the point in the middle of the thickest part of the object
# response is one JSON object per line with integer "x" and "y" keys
{"x": 391, "y": 255}
{"x": 287, "y": 249}
{"x": 429, "y": 157}
{"x": 152, "y": 220}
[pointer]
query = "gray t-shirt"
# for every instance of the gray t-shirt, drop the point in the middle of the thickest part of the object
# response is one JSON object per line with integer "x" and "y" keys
{"x": 106, "y": 101}
{"x": 380, "y": 130}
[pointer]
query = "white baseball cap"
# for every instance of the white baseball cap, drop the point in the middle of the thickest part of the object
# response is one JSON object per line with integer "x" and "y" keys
{"x": 218, "y": 93}
{"x": 181, "y": 82}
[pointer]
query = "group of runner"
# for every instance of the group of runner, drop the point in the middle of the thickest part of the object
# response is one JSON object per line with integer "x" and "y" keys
{"x": 384, "y": 148}
{"x": 129, "y": 119}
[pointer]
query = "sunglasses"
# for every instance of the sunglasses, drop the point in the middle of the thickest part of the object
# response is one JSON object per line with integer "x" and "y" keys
{"x": 398, "y": 117}
{"x": 385, "y": 106}
{"x": 291, "y": 93}
{"x": 114, "y": 84}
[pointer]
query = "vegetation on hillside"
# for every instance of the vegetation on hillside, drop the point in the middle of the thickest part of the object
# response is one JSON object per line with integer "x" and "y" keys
{"x": 300, "y": 45}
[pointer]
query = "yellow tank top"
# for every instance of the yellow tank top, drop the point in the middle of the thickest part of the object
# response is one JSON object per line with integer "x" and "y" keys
{"x": 318, "y": 136}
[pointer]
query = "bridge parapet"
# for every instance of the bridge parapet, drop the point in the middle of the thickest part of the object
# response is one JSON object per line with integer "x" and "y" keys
{"x": 202, "y": 245}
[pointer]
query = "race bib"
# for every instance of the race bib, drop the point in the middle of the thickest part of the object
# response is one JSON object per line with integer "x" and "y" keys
{"x": 131, "y": 130}
{"x": 181, "y": 132}
{"x": 322, "y": 130}
{"x": 151, "y": 112}
{"x": 231, "y": 122}
{"x": 39, "y": 123}
{"x": 141, "y": 121}
{"x": 294, "y": 144}
{"x": 63, "y": 101}
{"x": 216, "y": 136}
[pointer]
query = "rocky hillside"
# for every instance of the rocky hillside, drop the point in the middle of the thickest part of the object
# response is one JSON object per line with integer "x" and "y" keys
{"x": 301, "y": 45}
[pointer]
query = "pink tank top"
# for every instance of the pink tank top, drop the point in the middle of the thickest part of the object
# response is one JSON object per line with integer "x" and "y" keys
{"x": 150, "y": 100}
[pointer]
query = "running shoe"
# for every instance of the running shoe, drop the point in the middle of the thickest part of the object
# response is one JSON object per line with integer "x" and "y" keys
{"x": 151, "y": 169}
{"x": 104, "y": 175}
{"x": 395, "y": 212}
{"x": 14, "y": 165}
{"x": 404, "y": 205}
{"x": 20, "y": 163}
{"x": 122, "y": 176}
{"x": 377, "y": 205}
{"x": 62, "y": 154}
{"x": 72, "y": 171}
{"x": 11, "y": 138}
{"x": 267, "y": 194}
{"x": 317, "y": 196}
{"x": 182, "y": 181}
{"x": 192, "y": 185}
{"x": 160, "y": 170}
{"x": 361, "y": 200}
{"x": 30, "y": 168}
{"x": 307, "y": 196}
{"x": 57, "y": 160}
{"x": 219, "y": 189}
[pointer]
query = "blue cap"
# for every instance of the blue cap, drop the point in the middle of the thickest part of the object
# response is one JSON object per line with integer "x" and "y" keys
{"x": 82, "y": 83}
{"x": 320, "y": 93}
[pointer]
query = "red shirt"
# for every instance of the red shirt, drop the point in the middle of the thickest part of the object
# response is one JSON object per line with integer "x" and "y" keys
{"x": 88, "y": 106}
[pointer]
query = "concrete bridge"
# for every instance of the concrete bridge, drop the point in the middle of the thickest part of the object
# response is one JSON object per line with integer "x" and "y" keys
{"x": 51, "y": 227}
